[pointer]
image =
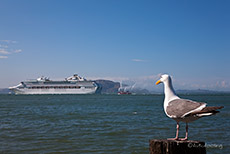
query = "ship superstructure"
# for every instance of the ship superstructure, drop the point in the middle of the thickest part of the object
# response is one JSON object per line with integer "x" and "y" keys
{"x": 71, "y": 85}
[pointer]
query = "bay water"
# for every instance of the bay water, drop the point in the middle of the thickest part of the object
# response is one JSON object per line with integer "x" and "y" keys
{"x": 102, "y": 124}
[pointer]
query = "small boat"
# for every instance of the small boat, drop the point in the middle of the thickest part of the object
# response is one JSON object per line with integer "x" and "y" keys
{"x": 124, "y": 93}
{"x": 122, "y": 90}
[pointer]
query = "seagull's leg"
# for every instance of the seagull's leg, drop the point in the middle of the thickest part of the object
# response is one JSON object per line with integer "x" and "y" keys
{"x": 177, "y": 132}
{"x": 186, "y": 135}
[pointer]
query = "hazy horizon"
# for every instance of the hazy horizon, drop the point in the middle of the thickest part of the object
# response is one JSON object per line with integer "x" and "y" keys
{"x": 148, "y": 83}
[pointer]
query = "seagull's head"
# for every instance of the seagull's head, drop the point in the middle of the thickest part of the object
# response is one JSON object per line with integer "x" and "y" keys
{"x": 164, "y": 78}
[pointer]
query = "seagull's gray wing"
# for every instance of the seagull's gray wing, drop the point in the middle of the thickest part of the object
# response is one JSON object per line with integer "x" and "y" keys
{"x": 179, "y": 108}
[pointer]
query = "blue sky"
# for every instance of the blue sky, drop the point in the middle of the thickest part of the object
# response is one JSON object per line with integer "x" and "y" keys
{"x": 117, "y": 39}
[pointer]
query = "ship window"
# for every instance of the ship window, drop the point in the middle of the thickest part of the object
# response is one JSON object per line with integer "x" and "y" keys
{"x": 57, "y": 87}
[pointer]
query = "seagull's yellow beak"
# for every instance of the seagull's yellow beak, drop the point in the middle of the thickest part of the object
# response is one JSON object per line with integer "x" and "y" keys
{"x": 159, "y": 81}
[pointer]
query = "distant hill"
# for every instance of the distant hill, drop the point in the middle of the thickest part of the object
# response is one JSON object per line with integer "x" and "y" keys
{"x": 200, "y": 91}
{"x": 108, "y": 87}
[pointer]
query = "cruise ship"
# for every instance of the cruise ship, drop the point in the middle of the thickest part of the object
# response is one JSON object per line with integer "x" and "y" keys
{"x": 43, "y": 85}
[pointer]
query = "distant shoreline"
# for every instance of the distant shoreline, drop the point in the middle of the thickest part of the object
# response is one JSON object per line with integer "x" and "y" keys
{"x": 146, "y": 92}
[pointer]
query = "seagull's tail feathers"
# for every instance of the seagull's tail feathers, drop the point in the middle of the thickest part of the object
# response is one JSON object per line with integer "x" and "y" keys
{"x": 207, "y": 111}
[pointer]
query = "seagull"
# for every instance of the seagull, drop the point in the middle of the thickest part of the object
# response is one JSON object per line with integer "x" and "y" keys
{"x": 183, "y": 110}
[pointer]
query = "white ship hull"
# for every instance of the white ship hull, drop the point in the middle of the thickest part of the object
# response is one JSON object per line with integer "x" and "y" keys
{"x": 54, "y": 91}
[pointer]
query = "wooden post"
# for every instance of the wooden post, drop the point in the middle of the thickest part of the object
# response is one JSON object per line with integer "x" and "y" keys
{"x": 176, "y": 147}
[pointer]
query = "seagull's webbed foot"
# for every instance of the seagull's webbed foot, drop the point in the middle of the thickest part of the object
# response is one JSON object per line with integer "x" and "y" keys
{"x": 178, "y": 139}
{"x": 183, "y": 139}
{"x": 174, "y": 139}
